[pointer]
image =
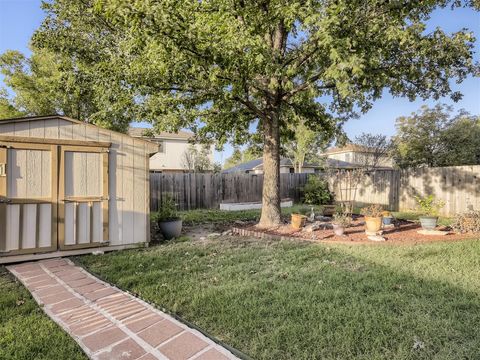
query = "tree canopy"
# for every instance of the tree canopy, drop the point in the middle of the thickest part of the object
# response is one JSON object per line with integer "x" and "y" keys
{"x": 53, "y": 83}
{"x": 218, "y": 66}
{"x": 437, "y": 137}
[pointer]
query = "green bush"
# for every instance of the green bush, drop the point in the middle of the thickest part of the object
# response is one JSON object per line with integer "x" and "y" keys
{"x": 428, "y": 205}
{"x": 316, "y": 192}
{"x": 167, "y": 211}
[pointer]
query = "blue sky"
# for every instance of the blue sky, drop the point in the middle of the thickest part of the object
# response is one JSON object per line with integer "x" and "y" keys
{"x": 20, "y": 18}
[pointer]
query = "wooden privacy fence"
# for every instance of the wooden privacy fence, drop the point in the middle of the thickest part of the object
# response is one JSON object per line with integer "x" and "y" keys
{"x": 458, "y": 186}
{"x": 207, "y": 191}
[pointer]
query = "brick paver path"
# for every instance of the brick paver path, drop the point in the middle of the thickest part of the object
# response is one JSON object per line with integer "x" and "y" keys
{"x": 107, "y": 322}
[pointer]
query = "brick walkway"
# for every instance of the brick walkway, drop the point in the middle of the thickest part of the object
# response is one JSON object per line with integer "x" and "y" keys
{"x": 107, "y": 322}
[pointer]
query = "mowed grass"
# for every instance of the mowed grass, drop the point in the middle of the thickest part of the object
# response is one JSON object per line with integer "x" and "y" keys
{"x": 204, "y": 216}
{"x": 25, "y": 331}
{"x": 292, "y": 300}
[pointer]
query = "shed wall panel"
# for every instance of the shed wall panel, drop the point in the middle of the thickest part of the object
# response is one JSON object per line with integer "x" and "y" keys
{"x": 128, "y": 180}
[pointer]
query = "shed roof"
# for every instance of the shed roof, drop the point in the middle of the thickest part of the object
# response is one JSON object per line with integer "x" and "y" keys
{"x": 152, "y": 147}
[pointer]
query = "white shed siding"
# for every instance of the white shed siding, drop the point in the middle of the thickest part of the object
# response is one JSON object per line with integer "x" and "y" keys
{"x": 128, "y": 167}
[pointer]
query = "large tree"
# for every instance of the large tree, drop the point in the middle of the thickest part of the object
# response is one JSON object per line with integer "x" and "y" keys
{"x": 218, "y": 66}
{"x": 437, "y": 137}
{"x": 49, "y": 83}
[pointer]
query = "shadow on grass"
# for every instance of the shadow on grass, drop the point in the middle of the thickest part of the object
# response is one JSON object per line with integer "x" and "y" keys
{"x": 304, "y": 301}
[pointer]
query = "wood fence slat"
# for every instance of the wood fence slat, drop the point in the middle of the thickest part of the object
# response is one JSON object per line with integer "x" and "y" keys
{"x": 458, "y": 186}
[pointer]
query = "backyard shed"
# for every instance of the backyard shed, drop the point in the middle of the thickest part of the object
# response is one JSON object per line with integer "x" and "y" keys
{"x": 68, "y": 187}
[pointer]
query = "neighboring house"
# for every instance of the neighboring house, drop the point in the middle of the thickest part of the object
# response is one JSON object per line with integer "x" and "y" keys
{"x": 256, "y": 167}
{"x": 357, "y": 155}
{"x": 172, "y": 147}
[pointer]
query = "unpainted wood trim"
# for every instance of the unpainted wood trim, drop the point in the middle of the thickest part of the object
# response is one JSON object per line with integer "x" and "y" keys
{"x": 90, "y": 211}
{"x": 147, "y": 199}
{"x": 84, "y": 148}
{"x": 3, "y": 227}
{"x": 76, "y": 200}
{"x": 61, "y": 203}
{"x": 13, "y": 201}
{"x": 20, "y": 225}
{"x": 106, "y": 194}
{"x": 54, "y": 254}
{"x": 37, "y": 226}
{"x": 3, "y": 179}
{"x": 54, "y": 193}
{"x": 84, "y": 199}
{"x": 9, "y": 140}
{"x": 76, "y": 211}
{"x": 25, "y": 146}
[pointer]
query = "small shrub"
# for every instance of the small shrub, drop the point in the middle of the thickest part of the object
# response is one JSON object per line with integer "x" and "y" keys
{"x": 316, "y": 192}
{"x": 167, "y": 211}
{"x": 342, "y": 220}
{"x": 428, "y": 205}
{"x": 374, "y": 210}
{"x": 467, "y": 222}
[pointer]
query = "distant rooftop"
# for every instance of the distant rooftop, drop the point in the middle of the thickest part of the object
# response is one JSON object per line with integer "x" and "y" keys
{"x": 347, "y": 148}
{"x": 257, "y": 164}
{"x": 140, "y": 132}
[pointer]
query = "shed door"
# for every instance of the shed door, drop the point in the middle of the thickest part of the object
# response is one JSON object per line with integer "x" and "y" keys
{"x": 28, "y": 198}
{"x": 83, "y": 197}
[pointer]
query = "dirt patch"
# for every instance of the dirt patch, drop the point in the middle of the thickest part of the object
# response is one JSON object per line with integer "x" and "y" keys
{"x": 404, "y": 232}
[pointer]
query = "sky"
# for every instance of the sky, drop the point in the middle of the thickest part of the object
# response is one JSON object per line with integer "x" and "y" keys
{"x": 20, "y": 18}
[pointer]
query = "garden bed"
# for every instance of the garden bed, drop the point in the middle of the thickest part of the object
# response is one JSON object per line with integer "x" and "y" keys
{"x": 404, "y": 232}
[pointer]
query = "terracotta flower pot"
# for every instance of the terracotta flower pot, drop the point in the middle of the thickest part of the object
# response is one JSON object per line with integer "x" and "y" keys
{"x": 373, "y": 224}
{"x": 298, "y": 221}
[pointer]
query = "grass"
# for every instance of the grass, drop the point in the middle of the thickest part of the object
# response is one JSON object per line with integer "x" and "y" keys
{"x": 215, "y": 216}
{"x": 25, "y": 331}
{"x": 203, "y": 216}
{"x": 291, "y": 300}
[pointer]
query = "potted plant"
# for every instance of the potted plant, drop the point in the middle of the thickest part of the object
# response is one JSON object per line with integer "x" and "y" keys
{"x": 300, "y": 218}
{"x": 429, "y": 208}
{"x": 387, "y": 218}
{"x": 168, "y": 221}
{"x": 373, "y": 218}
{"x": 340, "y": 223}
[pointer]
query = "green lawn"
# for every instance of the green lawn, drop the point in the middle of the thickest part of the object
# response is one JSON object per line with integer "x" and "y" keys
{"x": 25, "y": 331}
{"x": 203, "y": 216}
{"x": 288, "y": 300}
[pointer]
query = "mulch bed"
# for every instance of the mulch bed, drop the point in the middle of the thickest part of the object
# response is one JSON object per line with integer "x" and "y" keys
{"x": 404, "y": 232}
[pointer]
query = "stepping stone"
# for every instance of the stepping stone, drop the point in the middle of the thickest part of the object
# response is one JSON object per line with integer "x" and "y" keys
{"x": 433, "y": 232}
{"x": 376, "y": 238}
{"x": 109, "y": 323}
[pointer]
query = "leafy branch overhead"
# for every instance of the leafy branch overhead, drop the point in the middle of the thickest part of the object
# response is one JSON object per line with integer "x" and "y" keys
{"x": 228, "y": 63}
{"x": 219, "y": 66}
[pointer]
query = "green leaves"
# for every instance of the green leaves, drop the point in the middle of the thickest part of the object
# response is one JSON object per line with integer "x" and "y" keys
{"x": 226, "y": 64}
{"x": 437, "y": 137}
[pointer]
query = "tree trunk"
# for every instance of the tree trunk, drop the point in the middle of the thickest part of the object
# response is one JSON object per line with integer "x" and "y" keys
{"x": 271, "y": 214}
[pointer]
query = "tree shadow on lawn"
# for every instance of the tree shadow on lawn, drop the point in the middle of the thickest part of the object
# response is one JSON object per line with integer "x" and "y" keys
{"x": 303, "y": 301}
